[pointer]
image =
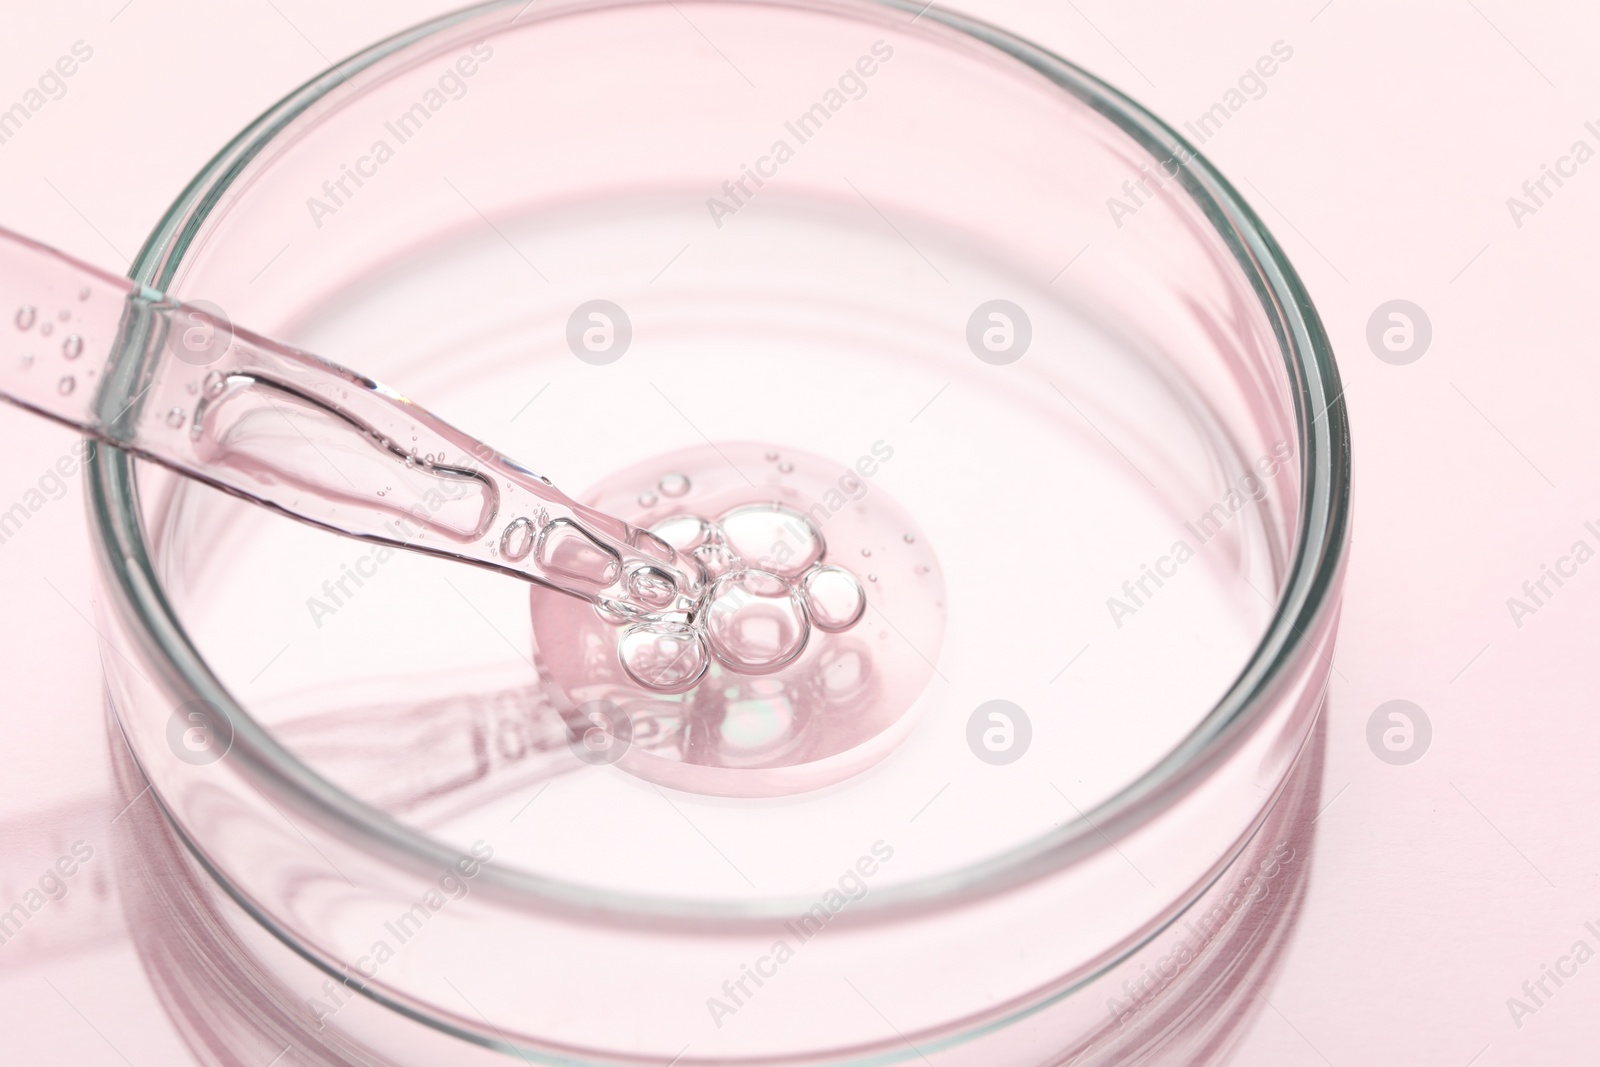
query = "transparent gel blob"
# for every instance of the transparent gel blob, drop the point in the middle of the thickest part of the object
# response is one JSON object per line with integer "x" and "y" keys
{"x": 788, "y": 674}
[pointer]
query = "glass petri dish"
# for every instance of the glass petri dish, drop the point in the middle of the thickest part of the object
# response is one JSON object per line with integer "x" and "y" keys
{"x": 865, "y": 242}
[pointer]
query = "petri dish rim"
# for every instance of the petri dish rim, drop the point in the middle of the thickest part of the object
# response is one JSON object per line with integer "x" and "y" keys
{"x": 1309, "y": 595}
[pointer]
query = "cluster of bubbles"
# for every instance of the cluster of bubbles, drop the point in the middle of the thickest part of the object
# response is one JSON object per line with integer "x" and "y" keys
{"x": 767, "y": 585}
{"x": 71, "y": 347}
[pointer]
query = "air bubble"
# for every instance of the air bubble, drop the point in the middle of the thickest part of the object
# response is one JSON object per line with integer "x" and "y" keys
{"x": 651, "y": 545}
{"x": 683, "y": 532}
{"x": 652, "y": 587}
{"x": 866, "y": 551}
{"x": 25, "y": 316}
{"x": 673, "y": 485}
{"x": 647, "y": 499}
{"x": 786, "y": 467}
{"x": 176, "y": 417}
{"x": 834, "y": 598}
{"x": 46, "y": 329}
{"x": 772, "y": 457}
{"x": 569, "y": 550}
{"x": 664, "y": 657}
{"x": 716, "y": 559}
{"x": 617, "y": 612}
{"x": 216, "y": 382}
{"x": 517, "y": 540}
{"x": 754, "y": 623}
{"x": 872, "y": 577}
{"x": 773, "y": 538}
{"x": 66, "y": 385}
{"x": 72, "y": 346}
{"x": 83, "y": 294}
{"x": 911, "y": 539}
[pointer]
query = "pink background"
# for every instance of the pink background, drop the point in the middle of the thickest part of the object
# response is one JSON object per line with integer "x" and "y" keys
{"x": 1381, "y": 156}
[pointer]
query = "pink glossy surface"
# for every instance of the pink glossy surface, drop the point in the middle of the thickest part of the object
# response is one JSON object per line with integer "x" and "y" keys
{"x": 1390, "y": 141}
